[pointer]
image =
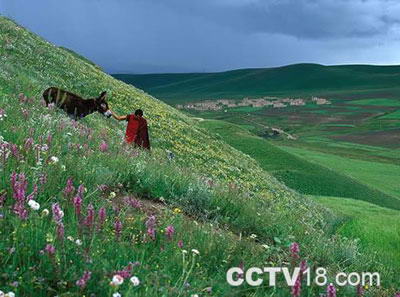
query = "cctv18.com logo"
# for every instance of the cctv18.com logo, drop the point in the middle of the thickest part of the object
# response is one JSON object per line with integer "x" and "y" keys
{"x": 254, "y": 276}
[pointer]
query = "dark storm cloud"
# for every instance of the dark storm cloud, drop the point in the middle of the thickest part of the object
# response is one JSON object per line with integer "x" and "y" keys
{"x": 300, "y": 18}
{"x": 211, "y": 35}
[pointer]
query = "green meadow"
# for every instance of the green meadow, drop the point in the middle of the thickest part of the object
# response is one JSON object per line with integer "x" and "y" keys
{"x": 82, "y": 214}
{"x": 344, "y": 155}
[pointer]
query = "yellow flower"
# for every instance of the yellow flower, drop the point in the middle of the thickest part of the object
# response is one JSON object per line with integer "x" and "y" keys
{"x": 177, "y": 210}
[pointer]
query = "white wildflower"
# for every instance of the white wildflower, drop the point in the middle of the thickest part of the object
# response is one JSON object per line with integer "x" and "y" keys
{"x": 45, "y": 212}
{"x": 113, "y": 195}
{"x": 54, "y": 159}
{"x": 1, "y": 293}
{"x": 196, "y": 252}
{"x": 33, "y": 204}
{"x": 78, "y": 242}
{"x": 253, "y": 236}
{"x": 117, "y": 280}
{"x": 116, "y": 295}
{"x": 70, "y": 238}
{"x": 135, "y": 281}
{"x": 10, "y": 294}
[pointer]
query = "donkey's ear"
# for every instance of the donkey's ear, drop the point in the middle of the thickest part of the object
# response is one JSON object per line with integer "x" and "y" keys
{"x": 102, "y": 96}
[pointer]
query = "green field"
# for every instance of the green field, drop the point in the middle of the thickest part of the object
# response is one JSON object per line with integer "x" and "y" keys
{"x": 299, "y": 79}
{"x": 376, "y": 227}
{"x": 315, "y": 173}
{"x": 380, "y": 176}
{"x": 376, "y": 102}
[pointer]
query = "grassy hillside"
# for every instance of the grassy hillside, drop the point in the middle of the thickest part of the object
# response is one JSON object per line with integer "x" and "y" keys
{"x": 324, "y": 175}
{"x": 297, "y": 80}
{"x": 105, "y": 209}
{"x": 366, "y": 220}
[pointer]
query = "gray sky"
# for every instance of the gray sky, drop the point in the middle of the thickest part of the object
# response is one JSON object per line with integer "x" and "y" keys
{"x": 138, "y": 36}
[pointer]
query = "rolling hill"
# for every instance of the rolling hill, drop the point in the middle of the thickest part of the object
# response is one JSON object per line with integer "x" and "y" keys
{"x": 103, "y": 211}
{"x": 298, "y": 79}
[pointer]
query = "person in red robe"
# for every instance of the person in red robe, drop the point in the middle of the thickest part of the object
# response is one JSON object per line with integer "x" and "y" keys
{"x": 136, "y": 130}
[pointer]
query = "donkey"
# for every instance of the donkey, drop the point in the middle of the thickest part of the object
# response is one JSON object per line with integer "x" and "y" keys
{"x": 75, "y": 106}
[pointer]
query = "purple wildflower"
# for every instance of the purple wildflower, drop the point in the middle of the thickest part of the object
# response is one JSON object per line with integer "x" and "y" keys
{"x": 84, "y": 279}
{"x": 102, "y": 188}
{"x": 397, "y": 294}
{"x": 169, "y": 232}
{"x": 118, "y": 228}
{"x": 77, "y": 201}
{"x": 180, "y": 244}
{"x": 69, "y": 188}
{"x": 89, "y": 220}
{"x": 58, "y": 214}
{"x": 150, "y": 224}
{"x": 50, "y": 249}
{"x": 296, "y": 289}
{"x": 295, "y": 250}
{"x": 60, "y": 231}
{"x": 43, "y": 179}
{"x": 102, "y": 216}
{"x": 3, "y": 197}
{"x": 360, "y": 291}
{"x": 331, "y": 291}
{"x": 103, "y": 147}
{"x": 49, "y": 139}
{"x": 135, "y": 203}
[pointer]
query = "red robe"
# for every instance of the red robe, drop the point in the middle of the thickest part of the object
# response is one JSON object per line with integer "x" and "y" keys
{"x": 137, "y": 131}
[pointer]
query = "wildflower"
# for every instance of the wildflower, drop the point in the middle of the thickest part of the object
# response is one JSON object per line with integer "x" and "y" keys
{"x": 50, "y": 249}
{"x": 135, "y": 203}
{"x": 196, "y": 252}
{"x": 177, "y": 210}
{"x": 103, "y": 147}
{"x": 303, "y": 266}
{"x": 169, "y": 232}
{"x": 70, "y": 238}
{"x": 84, "y": 279}
{"x": 69, "y": 188}
{"x": 3, "y": 114}
{"x": 102, "y": 188}
{"x": 360, "y": 291}
{"x": 58, "y": 214}
{"x": 112, "y": 195}
{"x": 116, "y": 294}
{"x": 118, "y": 228}
{"x": 45, "y": 212}
{"x": 77, "y": 201}
{"x": 180, "y": 244}
{"x": 117, "y": 280}
{"x": 253, "y": 236}
{"x": 54, "y": 160}
{"x": 28, "y": 143}
{"x": 194, "y": 295}
{"x": 78, "y": 242}
{"x": 296, "y": 289}
{"x": 43, "y": 179}
{"x": 150, "y": 224}
{"x": 135, "y": 281}
{"x": 102, "y": 216}
{"x": 49, "y": 138}
{"x": 295, "y": 250}
{"x": 60, "y": 231}
{"x": 33, "y": 204}
{"x": 88, "y": 222}
{"x": 9, "y": 294}
{"x": 2, "y": 293}
{"x": 331, "y": 291}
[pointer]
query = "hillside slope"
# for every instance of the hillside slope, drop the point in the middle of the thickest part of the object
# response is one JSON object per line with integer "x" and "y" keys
{"x": 299, "y": 79}
{"x": 210, "y": 199}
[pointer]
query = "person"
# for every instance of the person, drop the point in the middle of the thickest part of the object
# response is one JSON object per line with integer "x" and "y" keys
{"x": 136, "y": 130}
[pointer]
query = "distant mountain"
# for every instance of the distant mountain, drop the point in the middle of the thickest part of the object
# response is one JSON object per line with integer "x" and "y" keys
{"x": 297, "y": 79}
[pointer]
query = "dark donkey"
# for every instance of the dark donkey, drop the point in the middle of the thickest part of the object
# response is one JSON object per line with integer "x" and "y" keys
{"x": 74, "y": 105}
